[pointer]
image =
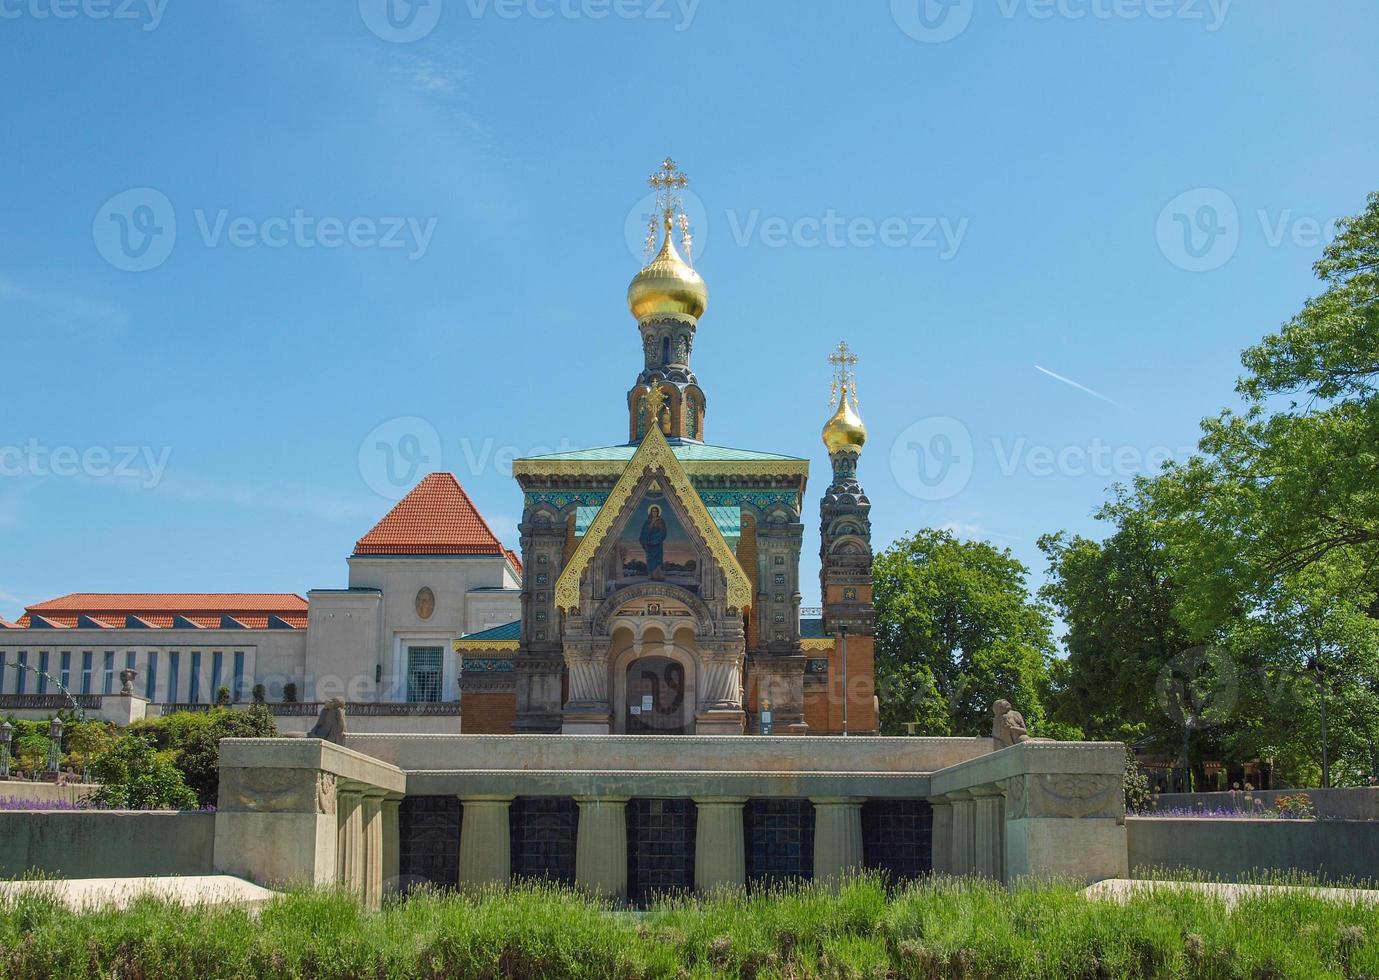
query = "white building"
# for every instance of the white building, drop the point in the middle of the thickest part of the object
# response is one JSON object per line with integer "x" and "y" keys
{"x": 431, "y": 571}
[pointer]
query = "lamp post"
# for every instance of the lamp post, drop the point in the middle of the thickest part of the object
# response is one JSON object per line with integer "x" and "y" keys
{"x": 54, "y": 746}
{"x": 1314, "y": 664}
{"x": 843, "y": 657}
{"x": 6, "y": 736}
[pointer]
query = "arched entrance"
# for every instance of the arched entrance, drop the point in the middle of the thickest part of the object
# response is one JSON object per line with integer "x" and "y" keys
{"x": 657, "y": 700}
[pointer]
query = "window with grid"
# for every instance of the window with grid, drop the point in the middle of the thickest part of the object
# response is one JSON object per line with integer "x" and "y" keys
{"x": 424, "y": 666}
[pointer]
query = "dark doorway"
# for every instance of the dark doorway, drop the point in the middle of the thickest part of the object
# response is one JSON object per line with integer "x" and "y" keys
{"x": 660, "y": 848}
{"x": 429, "y": 838}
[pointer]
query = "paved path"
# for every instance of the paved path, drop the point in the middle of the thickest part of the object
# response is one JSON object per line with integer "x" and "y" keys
{"x": 79, "y": 893}
{"x": 1121, "y": 889}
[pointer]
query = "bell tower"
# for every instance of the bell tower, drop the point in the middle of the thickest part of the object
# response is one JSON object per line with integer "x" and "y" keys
{"x": 667, "y": 298}
{"x": 845, "y": 554}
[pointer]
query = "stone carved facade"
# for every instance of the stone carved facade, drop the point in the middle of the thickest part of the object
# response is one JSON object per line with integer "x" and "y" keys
{"x": 1066, "y": 795}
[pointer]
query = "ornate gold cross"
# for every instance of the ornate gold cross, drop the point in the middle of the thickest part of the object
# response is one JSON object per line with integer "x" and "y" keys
{"x": 844, "y": 362}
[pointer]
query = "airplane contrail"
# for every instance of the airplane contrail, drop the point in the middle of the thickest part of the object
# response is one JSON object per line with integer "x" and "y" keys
{"x": 1071, "y": 383}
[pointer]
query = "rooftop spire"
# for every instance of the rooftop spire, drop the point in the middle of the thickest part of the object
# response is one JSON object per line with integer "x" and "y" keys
{"x": 845, "y": 431}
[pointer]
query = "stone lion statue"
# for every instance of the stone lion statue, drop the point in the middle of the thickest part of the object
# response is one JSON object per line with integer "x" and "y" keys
{"x": 1007, "y": 725}
{"x": 331, "y": 723}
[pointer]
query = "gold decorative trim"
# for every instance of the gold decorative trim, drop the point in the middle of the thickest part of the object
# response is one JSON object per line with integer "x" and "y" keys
{"x": 653, "y": 453}
{"x": 817, "y": 644}
{"x": 482, "y": 646}
{"x": 696, "y": 467}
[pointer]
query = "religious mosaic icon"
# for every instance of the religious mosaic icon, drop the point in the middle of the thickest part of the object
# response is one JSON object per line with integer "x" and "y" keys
{"x": 655, "y": 547}
{"x": 426, "y": 604}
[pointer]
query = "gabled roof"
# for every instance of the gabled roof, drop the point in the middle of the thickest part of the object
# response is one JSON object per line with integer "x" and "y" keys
{"x": 104, "y": 610}
{"x": 515, "y": 559}
{"x": 654, "y": 453}
{"x": 686, "y": 452}
{"x": 5, "y": 624}
{"x": 436, "y": 518}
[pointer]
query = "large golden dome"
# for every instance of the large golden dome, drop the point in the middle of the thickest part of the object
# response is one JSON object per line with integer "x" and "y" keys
{"x": 668, "y": 286}
{"x": 845, "y": 432}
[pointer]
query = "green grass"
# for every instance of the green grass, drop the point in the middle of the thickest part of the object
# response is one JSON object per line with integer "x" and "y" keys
{"x": 942, "y": 929}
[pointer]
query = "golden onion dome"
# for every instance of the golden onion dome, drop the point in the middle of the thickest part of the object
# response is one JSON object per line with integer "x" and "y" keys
{"x": 845, "y": 432}
{"x": 668, "y": 286}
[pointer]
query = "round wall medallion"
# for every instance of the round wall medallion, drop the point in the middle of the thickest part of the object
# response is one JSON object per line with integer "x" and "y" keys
{"x": 426, "y": 603}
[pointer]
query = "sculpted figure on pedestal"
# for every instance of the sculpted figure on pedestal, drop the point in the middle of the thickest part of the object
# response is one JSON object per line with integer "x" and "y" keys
{"x": 1007, "y": 725}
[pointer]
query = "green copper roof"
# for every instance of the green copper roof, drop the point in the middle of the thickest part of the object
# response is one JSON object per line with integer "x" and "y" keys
{"x": 510, "y": 631}
{"x": 812, "y": 629}
{"x": 684, "y": 451}
{"x": 728, "y": 520}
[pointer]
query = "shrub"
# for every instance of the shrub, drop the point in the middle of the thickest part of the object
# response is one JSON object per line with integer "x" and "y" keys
{"x": 260, "y": 694}
{"x": 1137, "y": 794}
{"x": 136, "y": 777}
{"x": 222, "y": 697}
{"x": 1297, "y": 805}
{"x": 199, "y": 756}
{"x": 289, "y": 693}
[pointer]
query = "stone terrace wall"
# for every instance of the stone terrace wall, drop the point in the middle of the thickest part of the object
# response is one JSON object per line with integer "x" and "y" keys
{"x": 1360, "y": 803}
{"x": 1233, "y": 849}
{"x": 105, "y": 843}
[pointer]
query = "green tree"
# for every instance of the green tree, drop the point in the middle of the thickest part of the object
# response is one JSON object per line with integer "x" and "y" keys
{"x": 136, "y": 777}
{"x": 956, "y": 630}
{"x": 1117, "y": 598}
{"x": 198, "y": 756}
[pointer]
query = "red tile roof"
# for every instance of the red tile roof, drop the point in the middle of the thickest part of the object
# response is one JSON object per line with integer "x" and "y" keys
{"x": 160, "y": 609}
{"x": 516, "y": 561}
{"x": 436, "y": 518}
{"x": 5, "y": 624}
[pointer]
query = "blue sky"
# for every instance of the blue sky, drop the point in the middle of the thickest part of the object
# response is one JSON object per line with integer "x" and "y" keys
{"x": 1047, "y": 226}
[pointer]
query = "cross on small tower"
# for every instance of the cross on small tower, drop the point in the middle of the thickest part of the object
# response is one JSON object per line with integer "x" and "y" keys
{"x": 668, "y": 182}
{"x": 655, "y": 401}
{"x": 844, "y": 362}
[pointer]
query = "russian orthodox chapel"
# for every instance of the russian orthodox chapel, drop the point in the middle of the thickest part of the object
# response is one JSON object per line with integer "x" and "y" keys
{"x": 661, "y": 588}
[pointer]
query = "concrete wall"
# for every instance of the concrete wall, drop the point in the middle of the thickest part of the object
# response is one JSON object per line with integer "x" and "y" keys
{"x": 106, "y": 844}
{"x": 41, "y": 793}
{"x": 1233, "y": 849}
{"x": 1360, "y": 803}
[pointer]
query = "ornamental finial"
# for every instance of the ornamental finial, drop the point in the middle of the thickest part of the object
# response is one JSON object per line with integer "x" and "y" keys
{"x": 844, "y": 363}
{"x": 669, "y": 182}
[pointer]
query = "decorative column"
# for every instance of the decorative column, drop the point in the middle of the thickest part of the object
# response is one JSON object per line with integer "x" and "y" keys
{"x": 601, "y": 845}
{"x": 371, "y": 867}
{"x": 349, "y": 851}
{"x": 719, "y": 858}
{"x": 837, "y": 836}
{"x": 941, "y": 843}
{"x": 485, "y": 841}
{"x": 963, "y": 860}
{"x": 988, "y": 845}
{"x": 392, "y": 845}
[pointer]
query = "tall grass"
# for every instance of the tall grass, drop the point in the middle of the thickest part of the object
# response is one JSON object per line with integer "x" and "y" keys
{"x": 936, "y": 929}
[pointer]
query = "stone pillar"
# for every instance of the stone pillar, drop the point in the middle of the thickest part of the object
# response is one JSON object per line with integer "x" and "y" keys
{"x": 485, "y": 841}
{"x": 941, "y": 842}
{"x": 987, "y": 844}
{"x": 963, "y": 860}
{"x": 350, "y": 850}
{"x": 601, "y": 845}
{"x": 719, "y": 857}
{"x": 371, "y": 867}
{"x": 837, "y": 836}
{"x": 392, "y": 845}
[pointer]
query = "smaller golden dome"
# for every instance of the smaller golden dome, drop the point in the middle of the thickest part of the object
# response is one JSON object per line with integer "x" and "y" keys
{"x": 668, "y": 286}
{"x": 845, "y": 432}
